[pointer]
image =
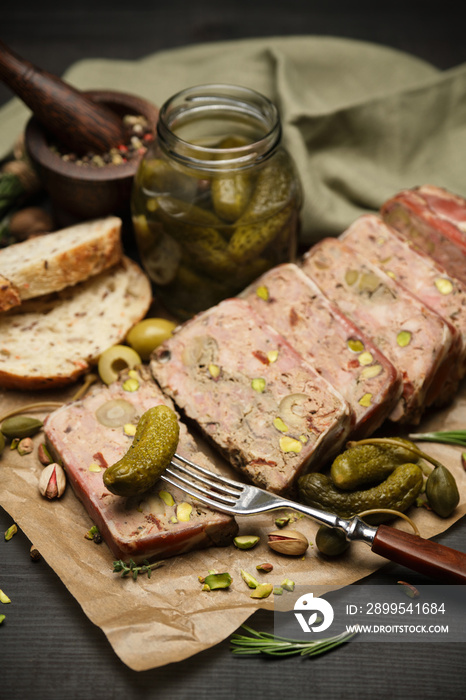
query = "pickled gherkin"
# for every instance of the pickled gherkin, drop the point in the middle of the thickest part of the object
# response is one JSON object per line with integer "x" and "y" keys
{"x": 397, "y": 492}
{"x": 151, "y": 452}
{"x": 362, "y": 465}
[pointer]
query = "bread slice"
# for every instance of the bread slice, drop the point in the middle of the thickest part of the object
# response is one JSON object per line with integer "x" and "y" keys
{"x": 56, "y": 260}
{"x": 50, "y": 341}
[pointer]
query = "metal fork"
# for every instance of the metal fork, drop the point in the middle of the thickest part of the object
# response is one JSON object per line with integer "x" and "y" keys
{"x": 236, "y": 498}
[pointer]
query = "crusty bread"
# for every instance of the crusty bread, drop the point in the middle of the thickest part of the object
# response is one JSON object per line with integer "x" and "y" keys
{"x": 50, "y": 341}
{"x": 51, "y": 262}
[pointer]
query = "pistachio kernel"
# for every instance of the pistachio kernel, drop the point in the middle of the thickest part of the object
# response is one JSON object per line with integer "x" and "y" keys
{"x": 365, "y": 400}
{"x": 443, "y": 285}
{"x": 288, "y": 444}
{"x": 266, "y": 568}
{"x": 183, "y": 512}
{"x": 44, "y": 455}
{"x": 94, "y": 467}
{"x": 403, "y": 338}
{"x": 246, "y": 541}
{"x": 365, "y": 358}
{"x": 262, "y": 292}
{"x": 371, "y": 372}
{"x": 12, "y": 530}
{"x": 129, "y": 429}
{"x": 288, "y": 584}
{"x": 131, "y": 384}
{"x": 278, "y": 590}
{"x": 351, "y": 276}
{"x": 280, "y": 425}
{"x": 258, "y": 384}
{"x": 249, "y": 579}
{"x": 214, "y": 371}
{"x": 272, "y": 356}
{"x": 4, "y": 598}
{"x": 410, "y": 590}
{"x": 355, "y": 345}
{"x": 214, "y": 581}
{"x": 262, "y": 590}
{"x": 25, "y": 446}
{"x": 167, "y": 498}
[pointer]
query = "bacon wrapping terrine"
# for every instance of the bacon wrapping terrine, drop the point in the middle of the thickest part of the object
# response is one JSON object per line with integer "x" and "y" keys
{"x": 414, "y": 338}
{"x": 160, "y": 523}
{"x": 420, "y": 275}
{"x": 294, "y": 305}
{"x": 271, "y": 414}
{"x": 434, "y": 221}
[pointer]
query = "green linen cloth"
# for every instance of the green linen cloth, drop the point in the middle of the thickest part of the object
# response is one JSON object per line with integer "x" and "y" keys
{"x": 362, "y": 121}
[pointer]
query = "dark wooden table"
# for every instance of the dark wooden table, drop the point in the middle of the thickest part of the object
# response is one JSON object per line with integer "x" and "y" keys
{"x": 48, "y": 648}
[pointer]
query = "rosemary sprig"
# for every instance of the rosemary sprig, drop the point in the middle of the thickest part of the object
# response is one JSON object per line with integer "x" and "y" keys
{"x": 132, "y": 568}
{"x": 447, "y": 437}
{"x": 272, "y": 645}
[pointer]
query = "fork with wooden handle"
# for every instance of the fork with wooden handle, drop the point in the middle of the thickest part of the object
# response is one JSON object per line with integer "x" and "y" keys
{"x": 233, "y": 497}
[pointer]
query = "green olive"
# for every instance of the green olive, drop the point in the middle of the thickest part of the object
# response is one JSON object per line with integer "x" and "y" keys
{"x": 148, "y": 334}
{"x": 2, "y": 443}
{"x": 330, "y": 541}
{"x": 114, "y": 360}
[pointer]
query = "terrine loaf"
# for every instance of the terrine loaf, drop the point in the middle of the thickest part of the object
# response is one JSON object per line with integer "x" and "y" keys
{"x": 418, "y": 273}
{"x": 414, "y": 338}
{"x": 161, "y": 522}
{"x": 434, "y": 221}
{"x": 296, "y": 307}
{"x": 50, "y": 341}
{"x": 56, "y": 260}
{"x": 253, "y": 395}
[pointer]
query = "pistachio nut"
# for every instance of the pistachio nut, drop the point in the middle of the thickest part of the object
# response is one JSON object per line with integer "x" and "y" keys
{"x": 265, "y": 568}
{"x": 25, "y": 446}
{"x": 290, "y": 542}
{"x": 44, "y": 455}
{"x": 288, "y": 584}
{"x": 213, "y": 581}
{"x": 248, "y": 579}
{"x": 262, "y": 590}
{"x": 52, "y": 481}
{"x": 246, "y": 541}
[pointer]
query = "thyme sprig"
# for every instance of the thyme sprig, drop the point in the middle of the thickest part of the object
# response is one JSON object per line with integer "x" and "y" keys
{"x": 447, "y": 437}
{"x": 272, "y": 645}
{"x": 134, "y": 569}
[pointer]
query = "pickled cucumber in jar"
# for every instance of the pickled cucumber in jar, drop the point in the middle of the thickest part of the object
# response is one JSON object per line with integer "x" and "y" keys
{"x": 216, "y": 199}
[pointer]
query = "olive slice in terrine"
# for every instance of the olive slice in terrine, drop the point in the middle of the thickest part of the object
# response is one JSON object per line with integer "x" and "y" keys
{"x": 87, "y": 437}
{"x": 295, "y": 306}
{"x": 420, "y": 275}
{"x": 252, "y": 394}
{"x": 434, "y": 221}
{"x": 413, "y": 337}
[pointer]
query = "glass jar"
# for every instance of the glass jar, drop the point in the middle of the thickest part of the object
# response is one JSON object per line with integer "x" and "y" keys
{"x": 216, "y": 199}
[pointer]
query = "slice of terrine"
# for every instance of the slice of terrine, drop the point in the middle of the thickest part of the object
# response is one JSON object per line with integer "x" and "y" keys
{"x": 420, "y": 275}
{"x": 160, "y": 523}
{"x": 295, "y": 306}
{"x": 414, "y": 338}
{"x": 252, "y": 394}
{"x": 434, "y": 221}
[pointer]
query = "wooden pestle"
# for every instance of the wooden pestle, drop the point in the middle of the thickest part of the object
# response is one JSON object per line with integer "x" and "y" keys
{"x": 74, "y": 119}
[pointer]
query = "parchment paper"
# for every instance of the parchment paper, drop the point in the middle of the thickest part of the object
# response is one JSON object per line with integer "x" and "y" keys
{"x": 154, "y": 621}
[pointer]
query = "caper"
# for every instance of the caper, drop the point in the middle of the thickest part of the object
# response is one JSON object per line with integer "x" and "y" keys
{"x": 442, "y": 491}
{"x": 148, "y": 334}
{"x": 20, "y": 427}
{"x": 330, "y": 541}
{"x": 114, "y": 360}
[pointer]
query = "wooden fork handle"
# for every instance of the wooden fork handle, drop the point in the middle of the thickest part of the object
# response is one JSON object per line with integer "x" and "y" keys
{"x": 424, "y": 556}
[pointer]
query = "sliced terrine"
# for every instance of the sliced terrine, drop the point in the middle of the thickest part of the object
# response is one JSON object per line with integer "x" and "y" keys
{"x": 414, "y": 338}
{"x": 160, "y": 523}
{"x": 419, "y": 274}
{"x": 434, "y": 221}
{"x": 252, "y": 394}
{"x": 296, "y": 307}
